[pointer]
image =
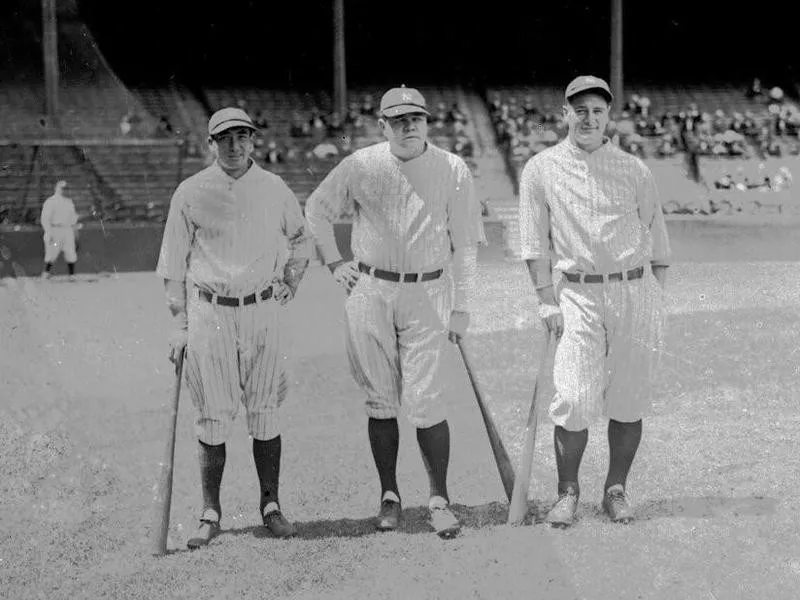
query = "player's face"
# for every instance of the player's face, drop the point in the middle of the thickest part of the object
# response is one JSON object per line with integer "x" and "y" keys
{"x": 406, "y": 134}
{"x": 233, "y": 148}
{"x": 587, "y": 117}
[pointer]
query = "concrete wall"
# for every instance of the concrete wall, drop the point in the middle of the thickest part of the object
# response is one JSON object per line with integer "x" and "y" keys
{"x": 135, "y": 248}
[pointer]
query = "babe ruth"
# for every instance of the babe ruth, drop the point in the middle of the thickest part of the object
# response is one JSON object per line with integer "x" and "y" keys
{"x": 591, "y": 211}
{"x": 235, "y": 248}
{"x": 415, "y": 215}
{"x": 59, "y": 221}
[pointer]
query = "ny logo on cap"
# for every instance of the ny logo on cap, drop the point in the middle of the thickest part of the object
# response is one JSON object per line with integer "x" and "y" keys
{"x": 406, "y": 97}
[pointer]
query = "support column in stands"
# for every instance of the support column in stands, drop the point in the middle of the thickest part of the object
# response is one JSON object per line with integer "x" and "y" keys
{"x": 339, "y": 66}
{"x": 616, "y": 52}
{"x": 50, "y": 51}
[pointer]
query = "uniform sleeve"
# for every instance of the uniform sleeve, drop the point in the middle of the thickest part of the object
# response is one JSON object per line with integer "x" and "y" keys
{"x": 73, "y": 216}
{"x": 173, "y": 259}
{"x": 296, "y": 229}
{"x": 464, "y": 219}
{"x": 47, "y": 209}
{"x": 331, "y": 198}
{"x": 534, "y": 215}
{"x": 652, "y": 217}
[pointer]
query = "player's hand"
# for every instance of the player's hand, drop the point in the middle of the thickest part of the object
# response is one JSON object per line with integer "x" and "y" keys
{"x": 177, "y": 344}
{"x": 282, "y": 292}
{"x": 459, "y": 321}
{"x": 345, "y": 273}
{"x": 553, "y": 318}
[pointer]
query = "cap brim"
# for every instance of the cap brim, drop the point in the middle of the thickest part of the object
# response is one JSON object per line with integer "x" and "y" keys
{"x": 230, "y": 124}
{"x": 404, "y": 109}
{"x": 599, "y": 90}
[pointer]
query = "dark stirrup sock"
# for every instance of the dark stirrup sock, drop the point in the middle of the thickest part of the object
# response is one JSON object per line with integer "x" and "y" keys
{"x": 212, "y": 465}
{"x": 267, "y": 456}
{"x": 569, "y": 447}
{"x": 384, "y": 439}
{"x": 434, "y": 444}
{"x": 623, "y": 442}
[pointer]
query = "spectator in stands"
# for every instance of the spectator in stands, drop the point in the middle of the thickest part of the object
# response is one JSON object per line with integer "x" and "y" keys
{"x": 455, "y": 115}
{"x": 667, "y": 146}
{"x": 163, "y": 128}
{"x": 125, "y": 125}
{"x": 755, "y": 89}
{"x": 260, "y": 119}
{"x": 353, "y": 117}
{"x": 335, "y": 127}
{"x": 775, "y": 95}
{"x": 273, "y": 155}
{"x": 464, "y": 147}
{"x": 644, "y": 106}
{"x": 368, "y": 106}
{"x": 299, "y": 128}
{"x": 317, "y": 121}
{"x": 325, "y": 150}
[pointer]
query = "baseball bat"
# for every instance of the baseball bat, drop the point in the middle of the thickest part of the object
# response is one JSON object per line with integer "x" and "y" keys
{"x": 162, "y": 500}
{"x": 498, "y": 449}
{"x": 518, "y": 507}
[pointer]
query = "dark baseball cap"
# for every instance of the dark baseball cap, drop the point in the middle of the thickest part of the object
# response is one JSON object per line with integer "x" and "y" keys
{"x": 227, "y": 118}
{"x": 584, "y": 83}
{"x": 402, "y": 101}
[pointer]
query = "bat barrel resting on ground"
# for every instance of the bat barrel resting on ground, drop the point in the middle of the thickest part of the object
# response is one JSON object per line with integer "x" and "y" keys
{"x": 518, "y": 506}
{"x": 498, "y": 449}
{"x": 162, "y": 500}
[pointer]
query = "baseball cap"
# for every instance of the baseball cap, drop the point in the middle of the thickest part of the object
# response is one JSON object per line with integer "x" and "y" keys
{"x": 226, "y": 118}
{"x": 585, "y": 83}
{"x": 401, "y": 101}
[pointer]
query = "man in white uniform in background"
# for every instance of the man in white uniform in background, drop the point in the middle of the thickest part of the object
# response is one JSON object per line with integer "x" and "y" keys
{"x": 59, "y": 221}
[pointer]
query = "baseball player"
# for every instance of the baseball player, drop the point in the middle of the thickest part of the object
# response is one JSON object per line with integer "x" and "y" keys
{"x": 59, "y": 221}
{"x": 415, "y": 216}
{"x": 591, "y": 212}
{"x": 235, "y": 249}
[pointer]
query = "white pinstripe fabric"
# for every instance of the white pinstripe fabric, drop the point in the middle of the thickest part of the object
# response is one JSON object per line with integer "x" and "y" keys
{"x": 408, "y": 217}
{"x": 598, "y": 212}
{"x": 58, "y": 218}
{"x": 234, "y": 358}
{"x": 233, "y": 237}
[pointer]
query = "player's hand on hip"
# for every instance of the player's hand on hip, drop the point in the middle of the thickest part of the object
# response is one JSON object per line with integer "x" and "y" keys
{"x": 282, "y": 292}
{"x": 459, "y": 321}
{"x": 553, "y": 318}
{"x": 345, "y": 273}
{"x": 177, "y": 344}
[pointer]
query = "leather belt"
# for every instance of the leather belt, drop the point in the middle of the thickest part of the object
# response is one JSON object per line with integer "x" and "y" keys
{"x": 234, "y": 300}
{"x": 597, "y": 278}
{"x": 399, "y": 277}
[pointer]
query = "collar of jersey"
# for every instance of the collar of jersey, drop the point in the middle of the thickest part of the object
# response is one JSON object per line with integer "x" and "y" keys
{"x": 580, "y": 152}
{"x": 230, "y": 179}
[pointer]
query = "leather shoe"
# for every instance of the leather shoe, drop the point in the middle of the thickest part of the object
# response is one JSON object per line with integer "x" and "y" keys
{"x": 277, "y": 524}
{"x": 209, "y": 529}
{"x": 444, "y": 522}
{"x": 389, "y": 516}
{"x": 562, "y": 513}
{"x": 616, "y": 506}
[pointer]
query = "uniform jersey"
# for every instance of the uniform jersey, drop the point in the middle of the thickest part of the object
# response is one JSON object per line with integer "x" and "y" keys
{"x": 592, "y": 212}
{"x": 58, "y": 211}
{"x": 232, "y": 236}
{"x": 408, "y": 215}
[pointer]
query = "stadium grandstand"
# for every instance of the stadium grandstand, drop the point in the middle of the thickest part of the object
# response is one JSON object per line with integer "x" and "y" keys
{"x": 120, "y": 114}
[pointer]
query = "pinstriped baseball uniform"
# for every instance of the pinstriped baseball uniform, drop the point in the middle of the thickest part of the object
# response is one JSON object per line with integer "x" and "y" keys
{"x": 58, "y": 219}
{"x": 409, "y": 216}
{"x": 598, "y": 213}
{"x": 233, "y": 237}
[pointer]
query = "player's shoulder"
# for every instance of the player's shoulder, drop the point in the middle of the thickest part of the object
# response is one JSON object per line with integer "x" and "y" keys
{"x": 443, "y": 156}
{"x": 629, "y": 162}
{"x": 542, "y": 160}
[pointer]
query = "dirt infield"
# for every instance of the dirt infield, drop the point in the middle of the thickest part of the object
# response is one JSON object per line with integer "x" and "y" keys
{"x": 82, "y": 424}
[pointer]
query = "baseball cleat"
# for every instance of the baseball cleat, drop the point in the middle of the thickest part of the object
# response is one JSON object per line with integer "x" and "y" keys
{"x": 208, "y": 530}
{"x": 389, "y": 516}
{"x": 562, "y": 513}
{"x": 275, "y": 522}
{"x": 616, "y": 506}
{"x": 443, "y": 521}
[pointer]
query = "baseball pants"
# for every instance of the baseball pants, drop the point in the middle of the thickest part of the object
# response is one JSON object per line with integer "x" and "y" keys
{"x": 61, "y": 239}
{"x": 609, "y": 351}
{"x": 234, "y": 358}
{"x": 398, "y": 348}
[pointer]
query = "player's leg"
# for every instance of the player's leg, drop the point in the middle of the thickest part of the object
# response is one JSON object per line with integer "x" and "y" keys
{"x": 423, "y": 345}
{"x": 578, "y": 378}
{"x": 371, "y": 345}
{"x": 212, "y": 380}
{"x": 635, "y": 339}
{"x": 262, "y": 372}
{"x": 70, "y": 253}
{"x": 51, "y": 251}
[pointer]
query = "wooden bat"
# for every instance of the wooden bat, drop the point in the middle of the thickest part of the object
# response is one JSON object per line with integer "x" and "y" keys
{"x": 162, "y": 500}
{"x": 518, "y": 507}
{"x": 498, "y": 449}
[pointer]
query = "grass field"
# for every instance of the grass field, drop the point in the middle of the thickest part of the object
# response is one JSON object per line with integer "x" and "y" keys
{"x": 83, "y": 420}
